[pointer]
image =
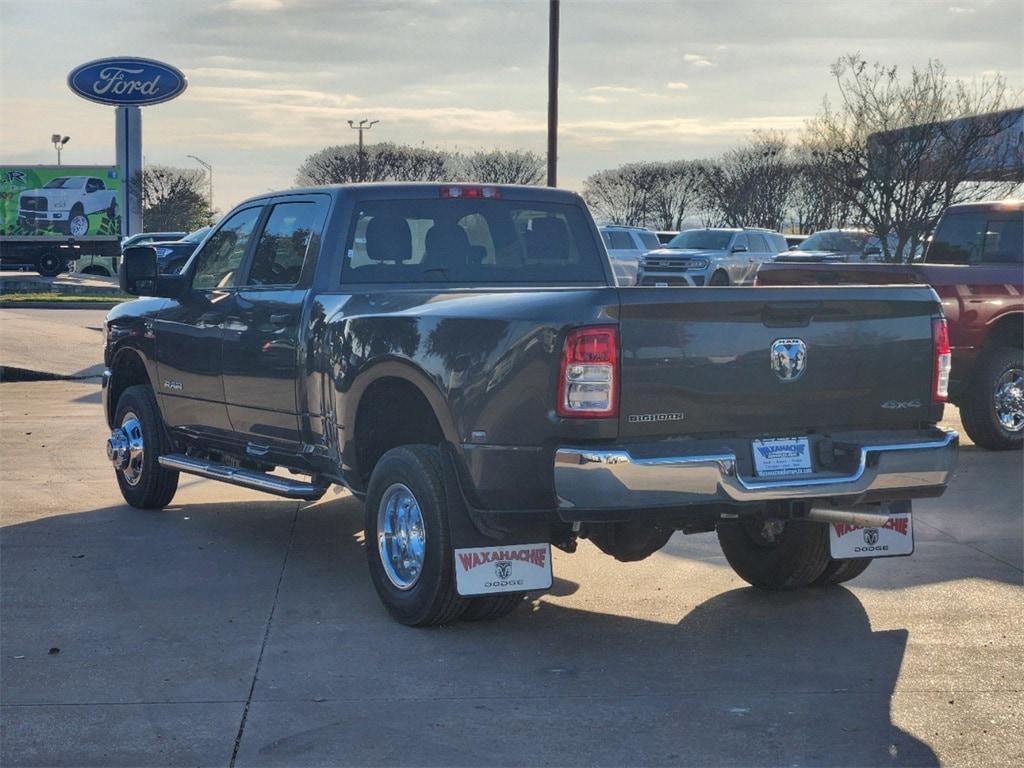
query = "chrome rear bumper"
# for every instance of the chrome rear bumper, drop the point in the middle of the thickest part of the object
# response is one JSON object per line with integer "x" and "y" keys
{"x": 614, "y": 479}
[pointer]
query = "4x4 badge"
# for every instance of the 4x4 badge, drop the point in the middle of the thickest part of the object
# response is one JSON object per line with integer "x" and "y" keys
{"x": 789, "y": 358}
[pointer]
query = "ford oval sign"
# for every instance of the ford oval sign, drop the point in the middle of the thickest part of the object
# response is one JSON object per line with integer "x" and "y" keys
{"x": 127, "y": 81}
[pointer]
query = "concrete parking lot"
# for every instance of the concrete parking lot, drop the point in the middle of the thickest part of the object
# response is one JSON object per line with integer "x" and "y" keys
{"x": 236, "y": 629}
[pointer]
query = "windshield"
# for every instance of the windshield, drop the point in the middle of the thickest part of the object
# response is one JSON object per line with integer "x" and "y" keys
{"x": 701, "y": 239}
{"x": 196, "y": 236}
{"x": 471, "y": 241}
{"x": 839, "y": 242}
{"x": 65, "y": 182}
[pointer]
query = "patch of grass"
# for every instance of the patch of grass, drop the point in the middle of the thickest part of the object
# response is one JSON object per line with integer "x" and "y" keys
{"x": 64, "y": 298}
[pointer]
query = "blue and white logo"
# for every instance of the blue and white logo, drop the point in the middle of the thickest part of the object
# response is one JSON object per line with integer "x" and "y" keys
{"x": 783, "y": 450}
{"x": 127, "y": 81}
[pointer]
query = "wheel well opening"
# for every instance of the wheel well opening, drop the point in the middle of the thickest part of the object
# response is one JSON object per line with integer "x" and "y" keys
{"x": 392, "y": 412}
{"x": 127, "y": 371}
{"x": 1008, "y": 331}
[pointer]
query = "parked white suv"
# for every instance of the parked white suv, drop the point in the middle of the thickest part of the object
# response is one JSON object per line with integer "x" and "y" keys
{"x": 710, "y": 257}
{"x": 626, "y": 245}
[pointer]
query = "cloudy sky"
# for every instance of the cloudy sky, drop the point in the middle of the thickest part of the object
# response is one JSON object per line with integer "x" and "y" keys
{"x": 271, "y": 81}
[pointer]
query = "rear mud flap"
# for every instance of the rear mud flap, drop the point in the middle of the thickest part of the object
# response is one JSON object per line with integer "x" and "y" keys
{"x": 491, "y": 559}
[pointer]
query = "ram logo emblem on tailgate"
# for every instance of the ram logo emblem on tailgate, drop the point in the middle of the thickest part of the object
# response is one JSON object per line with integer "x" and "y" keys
{"x": 789, "y": 358}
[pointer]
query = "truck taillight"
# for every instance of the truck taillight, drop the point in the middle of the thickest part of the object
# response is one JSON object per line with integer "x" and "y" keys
{"x": 588, "y": 379}
{"x": 943, "y": 360}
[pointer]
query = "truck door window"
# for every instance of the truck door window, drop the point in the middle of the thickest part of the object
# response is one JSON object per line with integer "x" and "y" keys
{"x": 281, "y": 250}
{"x": 1003, "y": 241}
{"x": 220, "y": 257}
{"x": 957, "y": 240}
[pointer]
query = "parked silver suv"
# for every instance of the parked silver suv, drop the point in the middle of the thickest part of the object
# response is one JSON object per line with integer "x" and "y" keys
{"x": 625, "y": 247}
{"x": 710, "y": 257}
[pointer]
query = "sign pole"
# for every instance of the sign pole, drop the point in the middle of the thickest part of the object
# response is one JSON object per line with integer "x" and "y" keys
{"x": 128, "y": 141}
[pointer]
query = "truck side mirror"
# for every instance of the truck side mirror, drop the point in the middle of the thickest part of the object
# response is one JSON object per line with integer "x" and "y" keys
{"x": 740, "y": 249}
{"x": 140, "y": 276}
{"x": 138, "y": 271}
{"x": 873, "y": 250}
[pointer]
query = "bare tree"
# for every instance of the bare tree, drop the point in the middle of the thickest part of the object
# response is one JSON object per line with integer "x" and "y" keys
{"x": 380, "y": 162}
{"x": 173, "y": 198}
{"x": 677, "y": 194}
{"x": 895, "y": 142}
{"x": 625, "y": 195}
{"x": 816, "y": 201}
{"x": 499, "y": 166}
{"x": 750, "y": 186}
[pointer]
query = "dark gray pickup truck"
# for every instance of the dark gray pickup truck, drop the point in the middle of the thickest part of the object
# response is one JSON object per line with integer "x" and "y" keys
{"x": 458, "y": 357}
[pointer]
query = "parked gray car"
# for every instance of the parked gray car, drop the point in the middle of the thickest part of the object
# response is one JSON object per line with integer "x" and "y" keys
{"x": 710, "y": 257}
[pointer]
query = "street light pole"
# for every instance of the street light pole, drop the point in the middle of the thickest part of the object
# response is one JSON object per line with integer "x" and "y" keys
{"x": 209, "y": 173}
{"x": 58, "y": 143}
{"x": 553, "y": 93}
{"x": 363, "y": 125}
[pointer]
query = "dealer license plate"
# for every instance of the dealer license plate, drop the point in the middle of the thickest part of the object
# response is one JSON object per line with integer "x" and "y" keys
{"x": 782, "y": 456}
{"x": 512, "y": 568}
{"x": 894, "y": 539}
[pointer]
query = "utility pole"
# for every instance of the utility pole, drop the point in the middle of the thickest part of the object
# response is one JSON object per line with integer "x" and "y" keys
{"x": 363, "y": 125}
{"x": 553, "y": 93}
{"x": 58, "y": 143}
{"x": 209, "y": 173}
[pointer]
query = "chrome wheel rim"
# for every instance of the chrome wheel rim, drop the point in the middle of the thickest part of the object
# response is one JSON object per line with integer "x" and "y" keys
{"x": 1009, "y": 400}
{"x": 79, "y": 225}
{"x": 132, "y": 428}
{"x": 401, "y": 536}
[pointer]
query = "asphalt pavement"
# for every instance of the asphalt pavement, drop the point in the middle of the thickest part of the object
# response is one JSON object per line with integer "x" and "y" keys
{"x": 234, "y": 628}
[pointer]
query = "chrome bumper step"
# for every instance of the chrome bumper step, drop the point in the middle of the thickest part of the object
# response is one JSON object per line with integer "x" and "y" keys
{"x": 614, "y": 479}
{"x": 246, "y": 478}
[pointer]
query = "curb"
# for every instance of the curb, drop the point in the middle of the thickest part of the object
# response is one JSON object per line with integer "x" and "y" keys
{"x": 59, "y": 304}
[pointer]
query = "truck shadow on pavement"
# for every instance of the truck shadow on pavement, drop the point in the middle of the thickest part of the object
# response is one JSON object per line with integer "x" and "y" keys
{"x": 202, "y": 601}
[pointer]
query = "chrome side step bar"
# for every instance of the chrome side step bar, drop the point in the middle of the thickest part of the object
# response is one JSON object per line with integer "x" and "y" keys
{"x": 257, "y": 481}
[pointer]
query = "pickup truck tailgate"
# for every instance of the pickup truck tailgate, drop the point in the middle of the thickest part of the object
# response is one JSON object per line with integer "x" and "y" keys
{"x": 701, "y": 361}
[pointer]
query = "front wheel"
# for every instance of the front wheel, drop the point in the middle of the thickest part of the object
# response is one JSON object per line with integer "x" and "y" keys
{"x": 408, "y": 546}
{"x": 719, "y": 279}
{"x": 78, "y": 224}
{"x": 134, "y": 448}
{"x": 992, "y": 410}
{"x": 50, "y": 265}
{"x": 775, "y": 554}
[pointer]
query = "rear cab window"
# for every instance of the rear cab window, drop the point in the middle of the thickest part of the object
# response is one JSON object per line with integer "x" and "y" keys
{"x": 978, "y": 237}
{"x": 471, "y": 242}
